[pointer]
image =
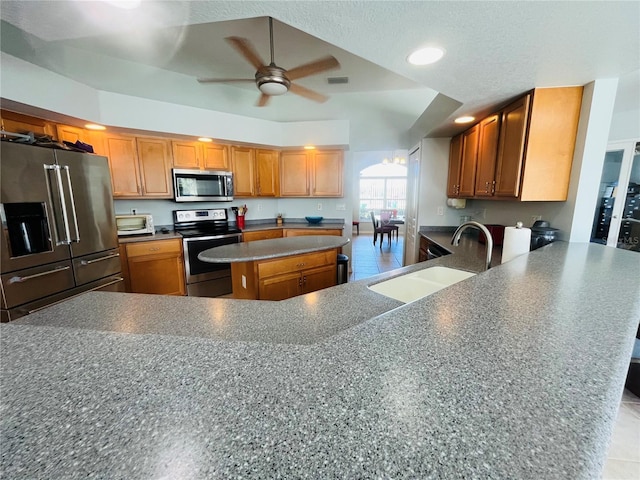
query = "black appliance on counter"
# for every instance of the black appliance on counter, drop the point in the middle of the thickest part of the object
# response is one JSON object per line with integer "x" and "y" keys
{"x": 542, "y": 234}
{"x": 58, "y": 227}
{"x": 202, "y": 230}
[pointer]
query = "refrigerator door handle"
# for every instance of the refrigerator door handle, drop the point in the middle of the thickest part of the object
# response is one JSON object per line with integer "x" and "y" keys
{"x": 73, "y": 207}
{"x": 107, "y": 257}
{"x": 66, "y": 240}
{"x": 58, "y": 206}
{"x": 37, "y": 275}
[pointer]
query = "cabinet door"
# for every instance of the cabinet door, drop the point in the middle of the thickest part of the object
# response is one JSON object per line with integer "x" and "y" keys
{"x": 123, "y": 162}
{"x": 18, "y": 123}
{"x": 67, "y": 133}
{"x": 156, "y": 267}
{"x": 215, "y": 157}
{"x": 280, "y": 287}
{"x": 319, "y": 278}
{"x": 469, "y": 159}
{"x": 511, "y": 151}
{"x": 242, "y": 159}
{"x": 155, "y": 274}
{"x": 155, "y": 167}
{"x": 267, "y": 173}
{"x": 455, "y": 162}
{"x": 326, "y": 174}
{"x": 186, "y": 154}
{"x": 294, "y": 174}
{"x": 487, "y": 156}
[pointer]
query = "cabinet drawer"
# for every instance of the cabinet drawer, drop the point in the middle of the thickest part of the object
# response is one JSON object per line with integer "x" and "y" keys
{"x": 158, "y": 247}
{"x": 296, "y": 263}
{"x": 261, "y": 235}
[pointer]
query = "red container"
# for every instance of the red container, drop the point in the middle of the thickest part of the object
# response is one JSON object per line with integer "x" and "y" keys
{"x": 240, "y": 220}
{"x": 496, "y": 231}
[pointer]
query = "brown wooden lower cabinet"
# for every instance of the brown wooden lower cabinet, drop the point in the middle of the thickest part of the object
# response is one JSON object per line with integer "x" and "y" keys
{"x": 155, "y": 266}
{"x": 261, "y": 235}
{"x": 297, "y": 232}
{"x": 284, "y": 277}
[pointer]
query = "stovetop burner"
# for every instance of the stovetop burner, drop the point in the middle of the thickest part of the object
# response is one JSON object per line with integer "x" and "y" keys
{"x": 199, "y": 223}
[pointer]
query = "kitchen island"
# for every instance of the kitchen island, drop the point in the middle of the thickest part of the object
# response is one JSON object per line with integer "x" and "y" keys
{"x": 516, "y": 372}
{"x": 279, "y": 268}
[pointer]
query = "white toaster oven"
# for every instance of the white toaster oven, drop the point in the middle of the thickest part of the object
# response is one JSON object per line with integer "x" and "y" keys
{"x": 135, "y": 224}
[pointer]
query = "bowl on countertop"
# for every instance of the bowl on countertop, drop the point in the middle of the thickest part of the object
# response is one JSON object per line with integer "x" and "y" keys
{"x": 313, "y": 219}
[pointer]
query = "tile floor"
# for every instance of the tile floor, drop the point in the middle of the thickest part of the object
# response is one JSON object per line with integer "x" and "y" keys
{"x": 368, "y": 259}
{"x": 623, "y": 458}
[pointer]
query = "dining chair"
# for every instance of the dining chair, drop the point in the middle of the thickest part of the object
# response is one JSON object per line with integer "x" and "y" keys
{"x": 385, "y": 220}
{"x": 380, "y": 229}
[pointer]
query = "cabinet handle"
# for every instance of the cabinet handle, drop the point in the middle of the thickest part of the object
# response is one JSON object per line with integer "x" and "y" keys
{"x": 304, "y": 279}
{"x": 493, "y": 187}
{"x": 300, "y": 282}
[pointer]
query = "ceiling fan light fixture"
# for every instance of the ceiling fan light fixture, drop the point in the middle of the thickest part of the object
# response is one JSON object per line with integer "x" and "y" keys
{"x": 273, "y": 88}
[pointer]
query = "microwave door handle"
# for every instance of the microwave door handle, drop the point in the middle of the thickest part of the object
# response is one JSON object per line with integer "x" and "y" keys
{"x": 75, "y": 239}
{"x": 57, "y": 205}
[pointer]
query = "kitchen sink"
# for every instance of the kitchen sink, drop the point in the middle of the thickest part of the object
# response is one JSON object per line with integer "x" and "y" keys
{"x": 412, "y": 286}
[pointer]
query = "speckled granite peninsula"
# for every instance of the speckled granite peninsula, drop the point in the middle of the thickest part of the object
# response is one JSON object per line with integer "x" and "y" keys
{"x": 515, "y": 373}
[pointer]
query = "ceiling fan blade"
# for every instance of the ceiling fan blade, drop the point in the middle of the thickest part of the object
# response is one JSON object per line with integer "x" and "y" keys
{"x": 263, "y": 100}
{"x": 244, "y": 47}
{"x": 326, "y": 63}
{"x": 225, "y": 80}
{"x": 307, "y": 93}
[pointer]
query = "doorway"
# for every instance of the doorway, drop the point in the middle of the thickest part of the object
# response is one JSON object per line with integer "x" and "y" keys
{"x": 616, "y": 221}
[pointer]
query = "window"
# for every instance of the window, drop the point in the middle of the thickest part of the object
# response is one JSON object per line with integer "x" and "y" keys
{"x": 383, "y": 186}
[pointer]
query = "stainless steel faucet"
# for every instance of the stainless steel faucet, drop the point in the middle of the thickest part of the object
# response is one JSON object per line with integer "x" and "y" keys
{"x": 456, "y": 238}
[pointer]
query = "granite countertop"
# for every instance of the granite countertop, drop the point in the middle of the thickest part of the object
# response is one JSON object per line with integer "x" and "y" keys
{"x": 516, "y": 372}
{"x": 272, "y": 248}
{"x": 159, "y": 235}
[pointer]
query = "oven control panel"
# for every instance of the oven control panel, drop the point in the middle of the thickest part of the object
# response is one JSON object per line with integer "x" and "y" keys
{"x": 200, "y": 215}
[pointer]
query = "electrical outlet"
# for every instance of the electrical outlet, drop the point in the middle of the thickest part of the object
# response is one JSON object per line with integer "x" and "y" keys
{"x": 319, "y": 206}
{"x": 340, "y": 206}
{"x": 440, "y": 211}
{"x": 133, "y": 211}
{"x": 259, "y": 207}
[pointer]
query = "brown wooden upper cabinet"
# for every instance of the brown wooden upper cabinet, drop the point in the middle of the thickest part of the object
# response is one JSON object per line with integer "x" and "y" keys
{"x": 487, "y": 156}
{"x": 19, "y": 123}
{"x": 311, "y": 173}
{"x": 68, "y": 133}
{"x": 255, "y": 172}
{"x": 140, "y": 166}
{"x": 200, "y": 155}
{"x": 523, "y": 152}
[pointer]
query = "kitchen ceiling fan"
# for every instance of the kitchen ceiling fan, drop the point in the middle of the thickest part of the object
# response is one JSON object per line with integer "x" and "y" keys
{"x": 273, "y": 80}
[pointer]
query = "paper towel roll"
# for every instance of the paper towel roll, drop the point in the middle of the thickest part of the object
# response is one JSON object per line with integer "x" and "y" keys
{"x": 516, "y": 242}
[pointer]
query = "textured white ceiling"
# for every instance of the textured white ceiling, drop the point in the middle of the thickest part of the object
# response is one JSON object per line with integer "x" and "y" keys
{"x": 494, "y": 51}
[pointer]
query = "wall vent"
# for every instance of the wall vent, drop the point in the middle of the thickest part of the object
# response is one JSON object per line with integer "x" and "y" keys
{"x": 337, "y": 80}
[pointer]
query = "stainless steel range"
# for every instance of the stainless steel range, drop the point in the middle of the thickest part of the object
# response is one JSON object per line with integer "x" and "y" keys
{"x": 201, "y": 230}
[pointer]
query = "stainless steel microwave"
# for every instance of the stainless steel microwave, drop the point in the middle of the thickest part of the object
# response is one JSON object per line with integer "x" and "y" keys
{"x": 202, "y": 185}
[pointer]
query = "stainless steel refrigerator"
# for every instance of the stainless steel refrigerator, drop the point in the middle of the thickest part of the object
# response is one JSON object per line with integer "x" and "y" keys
{"x": 59, "y": 236}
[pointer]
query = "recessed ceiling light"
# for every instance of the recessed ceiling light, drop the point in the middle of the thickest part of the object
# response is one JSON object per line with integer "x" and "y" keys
{"x": 465, "y": 119}
{"x": 93, "y": 126}
{"x": 205, "y": 139}
{"x": 425, "y": 56}
{"x": 125, "y": 4}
